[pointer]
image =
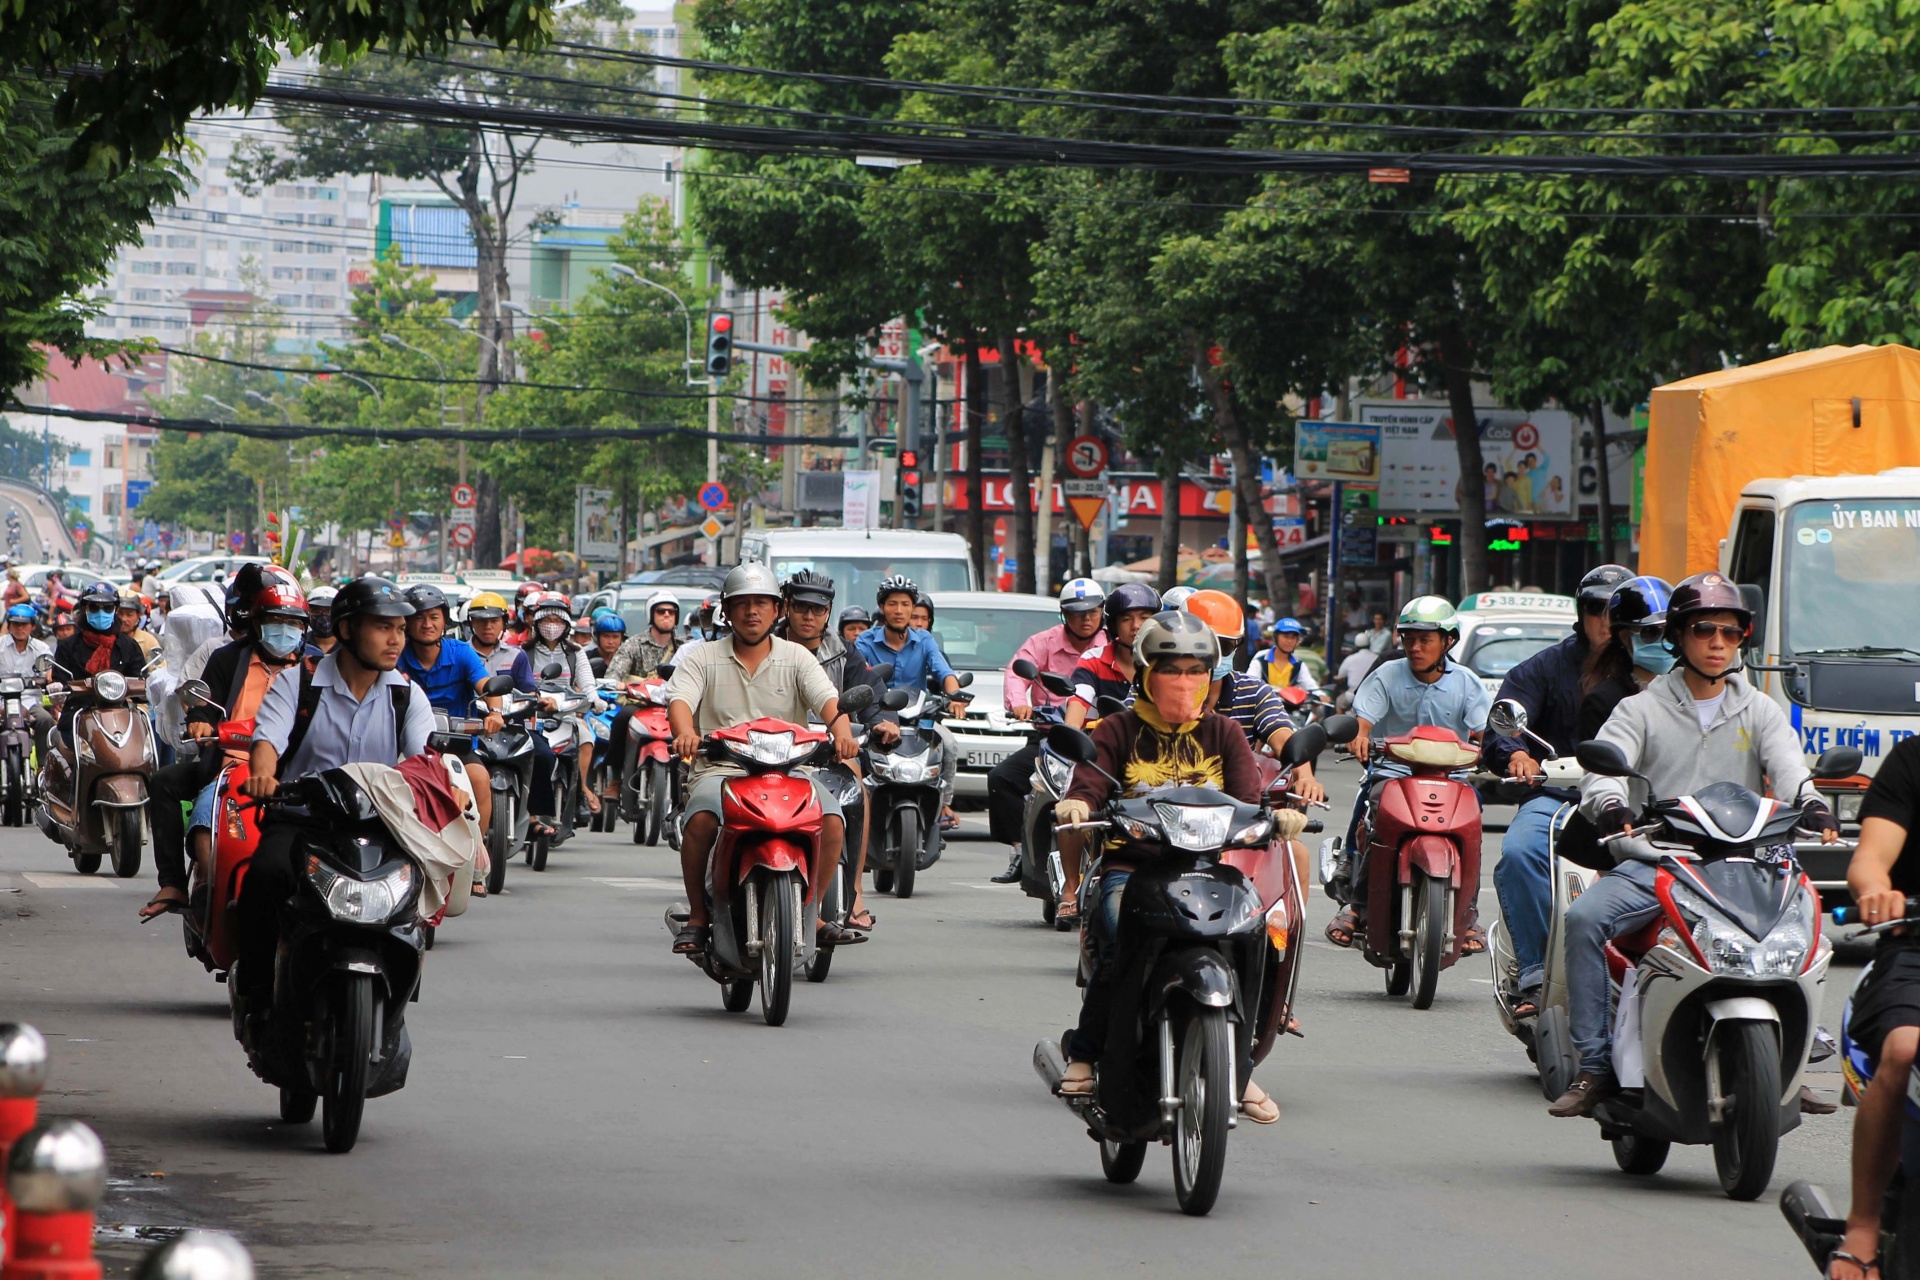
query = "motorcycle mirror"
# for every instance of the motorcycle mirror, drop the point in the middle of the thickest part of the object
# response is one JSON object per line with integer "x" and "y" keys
{"x": 1108, "y": 705}
{"x": 1341, "y": 729}
{"x": 1303, "y": 746}
{"x": 896, "y": 699}
{"x": 665, "y": 670}
{"x": 857, "y": 699}
{"x": 1058, "y": 686}
{"x": 195, "y": 693}
{"x": 964, "y": 678}
{"x": 552, "y": 671}
{"x": 43, "y": 664}
{"x": 1604, "y": 759}
{"x": 1838, "y": 762}
{"x": 1025, "y": 669}
{"x": 1072, "y": 744}
{"x": 1508, "y": 718}
{"x": 159, "y": 659}
{"x": 496, "y": 686}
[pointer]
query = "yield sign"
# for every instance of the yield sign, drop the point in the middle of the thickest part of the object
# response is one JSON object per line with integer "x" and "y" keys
{"x": 1086, "y": 510}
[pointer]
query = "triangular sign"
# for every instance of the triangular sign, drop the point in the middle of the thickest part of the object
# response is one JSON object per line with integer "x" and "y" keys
{"x": 1086, "y": 510}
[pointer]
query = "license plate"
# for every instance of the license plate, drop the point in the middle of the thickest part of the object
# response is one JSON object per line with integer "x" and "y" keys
{"x": 979, "y": 759}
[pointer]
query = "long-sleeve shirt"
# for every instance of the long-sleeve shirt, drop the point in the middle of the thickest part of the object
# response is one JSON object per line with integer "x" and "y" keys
{"x": 913, "y": 664}
{"x": 1053, "y": 650}
{"x": 1548, "y": 686}
{"x": 1143, "y": 751}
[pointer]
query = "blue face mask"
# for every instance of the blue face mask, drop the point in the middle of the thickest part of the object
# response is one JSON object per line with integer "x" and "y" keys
{"x": 280, "y": 638}
{"x": 1652, "y": 657}
{"x": 1223, "y": 668}
{"x": 100, "y": 619}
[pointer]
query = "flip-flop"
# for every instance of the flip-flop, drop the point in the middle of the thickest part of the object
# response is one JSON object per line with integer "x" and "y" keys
{"x": 853, "y": 921}
{"x": 1070, "y": 1087}
{"x": 1342, "y": 928}
{"x": 950, "y": 822}
{"x": 1473, "y": 942}
{"x": 165, "y": 903}
{"x": 831, "y": 934}
{"x": 1267, "y": 1112}
{"x": 692, "y": 939}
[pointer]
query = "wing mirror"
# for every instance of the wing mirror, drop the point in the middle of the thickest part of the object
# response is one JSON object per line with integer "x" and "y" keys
{"x": 1108, "y": 705}
{"x": 1838, "y": 762}
{"x": 666, "y": 669}
{"x": 883, "y": 672}
{"x": 1303, "y": 746}
{"x": 1058, "y": 686}
{"x": 857, "y": 699}
{"x": 895, "y": 699}
{"x": 1071, "y": 744}
{"x": 1341, "y": 729}
{"x": 552, "y": 671}
{"x": 1603, "y": 758}
{"x": 964, "y": 678}
{"x": 1025, "y": 669}
{"x": 195, "y": 693}
{"x": 1508, "y": 718}
{"x": 497, "y": 686}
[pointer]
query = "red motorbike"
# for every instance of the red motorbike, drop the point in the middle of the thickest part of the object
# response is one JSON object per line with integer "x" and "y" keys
{"x": 760, "y": 894}
{"x": 214, "y": 880}
{"x": 1421, "y": 838}
{"x": 646, "y": 798}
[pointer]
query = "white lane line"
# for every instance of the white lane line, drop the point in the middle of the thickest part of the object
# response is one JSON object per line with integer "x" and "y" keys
{"x": 71, "y": 880}
{"x": 637, "y": 882}
{"x": 991, "y": 888}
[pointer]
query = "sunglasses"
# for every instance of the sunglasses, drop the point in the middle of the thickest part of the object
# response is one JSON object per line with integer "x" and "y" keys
{"x": 1593, "y": 608}
{"x": 1650, "y": 635}
{"x": 1707, "y": 630}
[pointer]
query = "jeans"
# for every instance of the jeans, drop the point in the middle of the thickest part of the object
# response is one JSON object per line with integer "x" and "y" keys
{"x": 1523, "y": 880}
{"x": 540, "y": 792}
{"x": 1008, "y": 786}
{"x": 1617, "y": 903}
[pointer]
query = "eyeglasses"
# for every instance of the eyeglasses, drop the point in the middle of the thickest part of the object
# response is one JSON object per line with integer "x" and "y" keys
{"x": 1651, "y": 634}
{"x": 1705, "y": 630}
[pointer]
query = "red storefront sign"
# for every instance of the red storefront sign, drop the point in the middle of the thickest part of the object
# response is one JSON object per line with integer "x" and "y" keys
{"x": 1137, "y": 498}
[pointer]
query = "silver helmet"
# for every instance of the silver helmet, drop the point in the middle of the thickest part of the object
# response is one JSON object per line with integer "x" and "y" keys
{"x": 1172, "y": 634}
{"x": 750, "y": 579}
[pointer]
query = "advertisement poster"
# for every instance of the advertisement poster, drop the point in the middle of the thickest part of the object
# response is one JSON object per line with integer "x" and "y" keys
{"x": 860, "y": 501}
{"x": 596, "y": 530}
{"x": 1529, "y": 471}
{"x": 1336, "y": 450}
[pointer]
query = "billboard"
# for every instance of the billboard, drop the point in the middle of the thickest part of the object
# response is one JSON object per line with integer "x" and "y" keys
{"x": 1336, "y": 450}
{"x": 596, "y": 529}
{"x": 1529, "y": 464}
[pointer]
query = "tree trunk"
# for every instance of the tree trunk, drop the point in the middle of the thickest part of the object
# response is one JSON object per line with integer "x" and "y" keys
{"x": 1169, "y": 523}
{"x": 487, "y": 536}
{"x": 1226, "y": 416}
{"x": 1237, "y": 539}
{"x": 976, "y": 414}
{"x": 1013, "y": 420}
{"x": 1456, "y": 363}
{"x": 1597, "y": 414}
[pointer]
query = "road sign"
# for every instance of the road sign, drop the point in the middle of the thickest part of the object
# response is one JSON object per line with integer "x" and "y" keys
{"x": 1086, "y": 456}
{"x": 463, "y": 495}
{"x": 713, "y": 496}
{"x": 396, "y": 539}
{"x": 236, "y": 540}
{"x": 1290, "y": 531}
{"x": 1086, "y": 510}
{"x": 461, "y": 535}
{"x": 1083, "y": 487}
{"x": 711, "y": 528}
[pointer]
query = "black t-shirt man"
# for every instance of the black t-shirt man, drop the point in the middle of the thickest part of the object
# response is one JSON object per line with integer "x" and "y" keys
{"x": 1895, "y": 797}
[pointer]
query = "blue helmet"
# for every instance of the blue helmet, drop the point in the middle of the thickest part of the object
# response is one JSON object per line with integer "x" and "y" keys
{"x": 1639, "y": 602}
{"x": 1289, "y": 627}
{"x": 22, "y": 613}
{"x": 609, "y": 621}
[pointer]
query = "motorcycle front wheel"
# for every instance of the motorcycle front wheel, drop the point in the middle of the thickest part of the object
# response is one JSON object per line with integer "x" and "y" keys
{"x": 659, "y": 792}
{"x": 499, "y": 843}
{"x": 906, "y": 859}
{"x": 779, "y": 905}
{"x": 1429, "y": 937}
{"x": 1202, "y": 1074}
{"x": 1746, "y": 1142}
{"x": 351, "y": 1054}
{"x": 126, "y": 843}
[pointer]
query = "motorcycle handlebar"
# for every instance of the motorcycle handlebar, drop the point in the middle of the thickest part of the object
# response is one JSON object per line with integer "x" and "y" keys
{"x": 1851, "y": 915}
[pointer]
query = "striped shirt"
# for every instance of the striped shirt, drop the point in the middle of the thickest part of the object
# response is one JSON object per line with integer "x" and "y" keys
{"x": 1251, "y": 703}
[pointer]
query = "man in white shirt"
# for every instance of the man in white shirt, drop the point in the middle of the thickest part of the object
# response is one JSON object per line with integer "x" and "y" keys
{"x": 19, "y": 650}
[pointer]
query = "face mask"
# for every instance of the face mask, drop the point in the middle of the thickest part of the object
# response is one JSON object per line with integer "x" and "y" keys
{"x": 1223, "y": 668}
{"x": 100, "y": 620}
{"x": 1652, "y": 657}
{"x": 279, "y": 638}
{"x": 552, "y": 632}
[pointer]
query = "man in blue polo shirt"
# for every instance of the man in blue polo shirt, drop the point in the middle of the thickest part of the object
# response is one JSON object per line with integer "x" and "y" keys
{"x": 916, "y": 659}
{"x": 448, "y": 669}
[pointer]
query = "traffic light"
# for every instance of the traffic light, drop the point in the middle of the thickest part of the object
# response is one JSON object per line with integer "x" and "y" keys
{"x": 719, "y": 344}
{"x": 909, "y": 484}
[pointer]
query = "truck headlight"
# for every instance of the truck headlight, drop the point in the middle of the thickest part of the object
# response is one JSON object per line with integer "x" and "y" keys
{"x": 362, "y": 901}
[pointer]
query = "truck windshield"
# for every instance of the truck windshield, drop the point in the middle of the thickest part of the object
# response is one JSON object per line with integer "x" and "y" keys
{"x": 1851, "y": 577}
{"x": 856, "y": 578}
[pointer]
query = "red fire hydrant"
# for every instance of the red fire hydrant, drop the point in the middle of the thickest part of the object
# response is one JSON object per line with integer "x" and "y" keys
{"x": 55, "y": 1174}
{"x": 23, "y": 1071}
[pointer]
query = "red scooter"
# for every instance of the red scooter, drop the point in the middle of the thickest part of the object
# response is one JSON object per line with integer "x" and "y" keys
{"x": 761, "y": 899}
{"x": 214, "y": 881}
{"x": 1422, "y": 843}
{"x": 647, "y": 797}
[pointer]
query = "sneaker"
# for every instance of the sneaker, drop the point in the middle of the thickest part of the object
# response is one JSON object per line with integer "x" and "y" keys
{"x": 1583, "y": 1095}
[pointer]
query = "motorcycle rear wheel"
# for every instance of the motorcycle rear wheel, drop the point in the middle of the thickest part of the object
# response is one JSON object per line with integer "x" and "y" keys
{"x": 1399, "y": 977}
{"x": 537, "y": 852}
{"x": 1746, "y": 1143}
{"x": 1640, "y": 1155}
{"x": 736, "y": 996}
{"x": 882, "y": 881}
{"x": 86, "y": 863}
{"x": 1122, "y": 1161}
{"x": 779, "y": 904}
{"x": 499, "y": 843}
{"x": 351, "y": 1055}
{"x": 1202, "y": 1074}
{"x": 906, "y": 860}
{"x": 659, "y": 792}
{"x": 297, "y": 1105}
{"x": 833, "y": 907}
{"x": 15, "y": 810}
{"x": 1429, "y": 937}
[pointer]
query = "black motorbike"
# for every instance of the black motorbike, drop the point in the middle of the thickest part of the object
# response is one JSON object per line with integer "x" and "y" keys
{"x": 904, "y": 786}
{"x": 566, "y": 732}
{"x": 19, "y": 696}
{"x": 1041, "y": 874}
{"x": 507, "y": 757}
{"x": 347, "y": 965}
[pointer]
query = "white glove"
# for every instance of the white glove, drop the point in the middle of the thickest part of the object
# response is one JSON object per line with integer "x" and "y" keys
{"x": 1068, "y": 812}
{"x": 1289, "y": 823}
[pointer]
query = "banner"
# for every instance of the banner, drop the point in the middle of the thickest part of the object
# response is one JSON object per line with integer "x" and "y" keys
{"x": 596, "y": 527}
{"x": 1336, "y": 450}
{"x": 1529, "y": 463}
{"x": 860, "y": 500}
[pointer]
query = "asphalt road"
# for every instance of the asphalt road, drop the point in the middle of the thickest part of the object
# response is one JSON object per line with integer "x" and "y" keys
{"x": 581, "y": 1106}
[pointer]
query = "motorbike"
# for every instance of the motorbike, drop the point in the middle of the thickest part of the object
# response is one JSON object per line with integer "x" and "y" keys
{"x": 1217, "y": 911}
{"x": 213, "y": 881}
{"x": 603, "y": 779}
{"x": 1305, "y": 707}
{"x": 507, "y": 757}
{"x": 761, "y": 899}
{"x": 567, "y": 735}
{"x": 904, "y": 786}
{"x": 836, "y": 896}
{"x": 94, "y": 805}
{"x": 646, "y": 788}
{"x": 1719, "y": 994}
{"x": 19, "y": 697}
{"x": 347, "y": 965}
{"x": 1421, "y": 839}
{"x": 1041, "y": 874}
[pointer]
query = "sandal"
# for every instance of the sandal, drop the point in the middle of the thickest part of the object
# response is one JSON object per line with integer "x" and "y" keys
{"x": 833, "y": 934}
{"x": 1260, "y": 1109}
{"x": 1068, "y": 912}
{"x": 1525, "y": 1007}
{"x": 949, "y": 821}
{"x": 1867, "y": 1265}
{"x": 692, "y": 939}
{"x": 854, "y": 922}
{"x": 1076, "y": 1086}
{"x": 479, "y": 888}
{"x": 541, "y": 830}
{"x": 1342, "y": 927}
{"x": 168, "y": 899}
{"x": 1473, "y": 942}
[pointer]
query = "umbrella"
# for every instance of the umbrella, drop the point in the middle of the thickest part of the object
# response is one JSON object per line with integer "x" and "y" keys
{"x": 538, "y": 561}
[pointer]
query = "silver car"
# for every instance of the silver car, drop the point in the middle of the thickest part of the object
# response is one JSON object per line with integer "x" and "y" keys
{"x": 980, "y": 631}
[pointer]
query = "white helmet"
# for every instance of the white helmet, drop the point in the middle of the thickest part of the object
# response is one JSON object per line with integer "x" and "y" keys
{"x": 1081, "y": 595}
{"x": 659, "y": 598}
{"x": 1177, "y": 597}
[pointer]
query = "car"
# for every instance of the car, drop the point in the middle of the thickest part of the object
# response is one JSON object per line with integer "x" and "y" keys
{"x": 207, "y": 568}
{"x": 77, "y": 579}
{"x": 682, "y": 575}
{"x": 980, "y": 631}
{"x": 629, "y": 600}
{"x": 456, "y": 591}
{"x": 1499, "y": 630}
{"x": 859, "y": 559}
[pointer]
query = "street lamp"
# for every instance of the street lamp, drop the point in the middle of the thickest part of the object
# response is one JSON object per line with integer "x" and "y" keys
{"x": 396, "y": 341}
{"x": 221, "y": 404}
{"x": 354, "y": 377}
{"x": 622, "y": 269}
{"x": 271, "y": 403}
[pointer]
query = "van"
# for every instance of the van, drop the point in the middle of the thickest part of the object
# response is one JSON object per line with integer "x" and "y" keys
{"x": 859, "y": 559}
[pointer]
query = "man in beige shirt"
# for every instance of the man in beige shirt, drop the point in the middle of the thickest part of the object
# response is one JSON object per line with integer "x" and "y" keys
{"x": 740, "y": 677}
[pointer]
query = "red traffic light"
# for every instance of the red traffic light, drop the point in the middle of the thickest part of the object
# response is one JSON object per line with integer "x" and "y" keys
{"x": 721, "y": 323}
{"x": 911, "y": 479}
{"x": 909, "y": 459}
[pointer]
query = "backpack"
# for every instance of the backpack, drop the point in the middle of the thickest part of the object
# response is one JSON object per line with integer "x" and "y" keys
{"x": 309, "y": 702}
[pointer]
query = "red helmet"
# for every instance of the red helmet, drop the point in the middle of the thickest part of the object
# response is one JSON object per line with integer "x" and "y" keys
{"x": 280, "y": 600}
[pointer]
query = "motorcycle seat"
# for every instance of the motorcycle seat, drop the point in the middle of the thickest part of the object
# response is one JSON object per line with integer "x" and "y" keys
{"x": 1627, "y": 949}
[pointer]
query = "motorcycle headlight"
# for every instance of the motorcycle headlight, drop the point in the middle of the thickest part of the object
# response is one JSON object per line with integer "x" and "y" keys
{"x": 12, "y": 684}
{"x": 109, "y": 686}
{"x": 1731, "y": 949}
{"x": 362, "y": 901}
{"x": 914, "y": 768}
{"x": 1198, "y": 828}
{"x": 1056, "y": 772}
{"x": 769, "y": 748}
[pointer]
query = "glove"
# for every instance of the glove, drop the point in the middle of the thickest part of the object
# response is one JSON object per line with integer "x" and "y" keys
{"x": 1614, "y": 819}
{"x": 1815, "y": 816}
{"x": 1289, "y": 823}
{"x": 1068, "y": 812}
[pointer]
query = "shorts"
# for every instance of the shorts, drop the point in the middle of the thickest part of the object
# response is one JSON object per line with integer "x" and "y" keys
{"x": 704, "y": 797}
{"x": 1887, "y": 999}
{"x": 202, "y": 818}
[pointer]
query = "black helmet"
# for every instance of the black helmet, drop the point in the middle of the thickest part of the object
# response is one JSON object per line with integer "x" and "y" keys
{"x": 241, "y": 589}
{"x": 1639, "y": 602}
{"x": 97, "y": 596}
{"x": 370, "y": 598}
{"x": 1707, "y": 592}
{"x": 854, "y": 613}
{"x": 894, "y": 584}
{"x": 1126, "y": 598}
{"x": 924, "y": 601}
{"x": 809, "y": 587}
{"x": 1597, "y": 587}
{"x": 424, "y": 596}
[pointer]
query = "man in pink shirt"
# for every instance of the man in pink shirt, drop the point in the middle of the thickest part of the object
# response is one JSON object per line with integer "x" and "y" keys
{"x": 1057, "y": 650}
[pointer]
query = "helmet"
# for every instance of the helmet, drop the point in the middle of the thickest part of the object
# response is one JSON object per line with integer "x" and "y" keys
{"x": 424, "y": 596}
{"x": 62, "y": 619}
{"x": 583, "y": 626}
{"x": 659, "y": 598}
{"x": 922, "y": 600}
{"x": 370, "y": 598}
{"x": 241, "y": 589}
{"x": 1287, "y": 627}
{"x": 750, "y": 579}
{"x": 1708, "y": 592}
{"x": 1638, "y": 602}
{"x": 549, "y": 604}
{"x": 523, "y": 593}
{"x": 1428, "y": 613}
{"x": 1219, "y": 611}
{"x": 609, "y": 622}
{"x": 320, "y": 611}
{"x": 1172, "y": 634}
{"x": 488, "y": 604}
{"x": 893, "y": 584}
{"x": 1176, "y": 597}
{"x": 23, "y": 613}
{"x": 130, "y": 599}
{"x": 1597, "y": 587}
{"x": 277, "y": 600}
{"x": 854, "y": 613}
{"x": 1125, "y": 599}
{"x": 99, "y": 595}
{"x": 1081, "y": 595}
{"x": 808, "y": 587}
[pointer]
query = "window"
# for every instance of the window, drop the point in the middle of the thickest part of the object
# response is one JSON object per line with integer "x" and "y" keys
{"x": 286, "y": 273}
{"x": 173, "y": 322}
{"x": 321, "y": 220}
{"x": 216, "y": 217}
{"x": 286, "y": 246}
{"x": 113, "y": 455}
{"x": 80, "y": 502}
{"x": 147, "y": 295}
{"x": 216, "y": 191}
{"x": 110, "y": 502}
{"x": 182, "y": 269}
{"x": 182, "y": 242}
{"x": 1752, "y": 560}
{"x": 322, "y": 273}
{"x": 314, "y": 246}
{"x": 286, "y": 299}
{"x": 141, "y": 268}
{"x": 325, "y": 193}
{"x": 80, "y": 458}
{"x": 320, "y": 302}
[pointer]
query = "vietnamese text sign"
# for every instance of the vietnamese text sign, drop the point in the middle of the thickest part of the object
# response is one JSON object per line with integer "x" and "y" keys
{"x": 1528, "y": 460}
{"x": 860, "y": 501}
{"x": 1336, "y": 450}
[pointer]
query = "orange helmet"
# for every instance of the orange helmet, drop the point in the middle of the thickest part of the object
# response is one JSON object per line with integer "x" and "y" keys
{"x": 1220, "y": 611}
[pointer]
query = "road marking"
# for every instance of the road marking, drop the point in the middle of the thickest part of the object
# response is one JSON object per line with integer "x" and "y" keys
{"x": 637, "y": 882}
{"x": 69, "y": 880}
{"x": 991, "y": 888}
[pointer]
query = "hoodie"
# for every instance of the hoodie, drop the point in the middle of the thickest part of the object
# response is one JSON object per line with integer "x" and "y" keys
{"x": 1749, "y": 742}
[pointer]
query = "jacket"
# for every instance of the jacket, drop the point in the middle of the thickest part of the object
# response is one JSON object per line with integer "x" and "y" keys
{"x": 1548, "y": 686}
{"x": 846, "y": 668}
{"x": 1052, "y": 650}
{"x": 1143, "y": 751}
{"x": 1750, "y": 742}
